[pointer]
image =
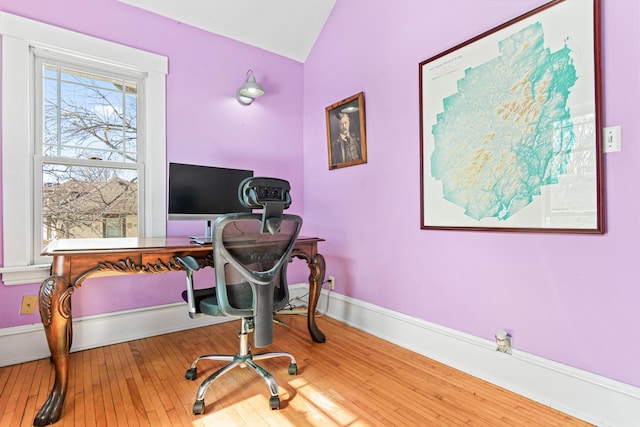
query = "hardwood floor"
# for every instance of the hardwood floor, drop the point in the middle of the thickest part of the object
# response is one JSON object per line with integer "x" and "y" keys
{"x": 354, "y": 379}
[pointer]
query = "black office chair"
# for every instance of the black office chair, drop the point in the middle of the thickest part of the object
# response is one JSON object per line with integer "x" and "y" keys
{"x": 250, "y": 253}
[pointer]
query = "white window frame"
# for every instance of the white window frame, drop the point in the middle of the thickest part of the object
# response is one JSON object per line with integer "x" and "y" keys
{"x": 44, "y": 56}
{"x": 19, "y": 35}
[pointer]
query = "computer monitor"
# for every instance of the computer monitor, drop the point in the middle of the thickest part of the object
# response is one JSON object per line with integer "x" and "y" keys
{"x": 202, "y": 193}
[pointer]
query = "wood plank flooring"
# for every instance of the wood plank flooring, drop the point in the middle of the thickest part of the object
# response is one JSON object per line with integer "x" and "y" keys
{"x": 354, "y": 379}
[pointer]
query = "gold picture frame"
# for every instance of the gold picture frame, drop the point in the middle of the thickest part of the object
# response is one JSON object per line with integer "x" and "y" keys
{"x": 346, "y": 136}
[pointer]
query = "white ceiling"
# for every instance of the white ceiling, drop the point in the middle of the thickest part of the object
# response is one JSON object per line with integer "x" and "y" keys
{"x": 286, "y": 27}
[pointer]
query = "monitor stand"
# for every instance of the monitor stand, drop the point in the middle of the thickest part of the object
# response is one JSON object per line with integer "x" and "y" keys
{"x": 206, "y": 239}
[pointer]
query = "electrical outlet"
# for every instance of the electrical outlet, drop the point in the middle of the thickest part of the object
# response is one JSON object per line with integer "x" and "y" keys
{"x": 28, "y": 304}
{"x": 332, "y": 282}
{"x": 504, "y": 342}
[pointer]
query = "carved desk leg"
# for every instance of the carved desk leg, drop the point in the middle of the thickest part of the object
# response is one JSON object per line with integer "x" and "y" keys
{"x": 55, "y": 311}
{"x": 316, "y": 278}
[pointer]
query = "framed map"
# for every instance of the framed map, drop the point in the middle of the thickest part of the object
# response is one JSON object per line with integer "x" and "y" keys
{"x": 510, "y": 126}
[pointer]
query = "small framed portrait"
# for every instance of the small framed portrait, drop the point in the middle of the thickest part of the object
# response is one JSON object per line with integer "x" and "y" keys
{"x": 346, "y": 137}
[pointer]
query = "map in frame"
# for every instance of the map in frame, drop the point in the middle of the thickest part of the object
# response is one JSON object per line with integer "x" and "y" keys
{"x": 508, "y": 127}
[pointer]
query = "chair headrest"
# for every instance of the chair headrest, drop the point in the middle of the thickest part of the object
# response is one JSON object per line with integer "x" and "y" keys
{"x": 269, "y": 194}
{"x": 258, "y": 192}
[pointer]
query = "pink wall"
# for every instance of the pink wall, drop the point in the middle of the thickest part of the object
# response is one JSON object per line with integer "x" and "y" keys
{"x": 205, "y": 125}
{"x": 568, "y": 298}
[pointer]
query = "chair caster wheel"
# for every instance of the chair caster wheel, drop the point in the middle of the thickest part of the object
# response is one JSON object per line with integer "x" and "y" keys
{"x": 191, "y": 374}
{"x": 274, "y": 402}
{"x": 293, "y": 369}
{"x": 198, "y": 407}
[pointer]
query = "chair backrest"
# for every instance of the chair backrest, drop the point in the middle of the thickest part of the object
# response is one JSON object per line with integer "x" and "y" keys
{"x": 250, "y": 254}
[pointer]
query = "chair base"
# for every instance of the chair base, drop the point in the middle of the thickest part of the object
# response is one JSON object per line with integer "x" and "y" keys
{"x": 243, "y": 359}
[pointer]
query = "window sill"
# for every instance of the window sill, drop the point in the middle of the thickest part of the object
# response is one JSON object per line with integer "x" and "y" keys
{"x": 25, "y": 275}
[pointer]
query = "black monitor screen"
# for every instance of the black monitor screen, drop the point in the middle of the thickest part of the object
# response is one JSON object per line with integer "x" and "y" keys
{"x": 203, "y": 192}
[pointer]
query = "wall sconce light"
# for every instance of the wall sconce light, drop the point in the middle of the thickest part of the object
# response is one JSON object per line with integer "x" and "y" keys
{"x": 503, "y": 341}
{"x": 250, "y": 90}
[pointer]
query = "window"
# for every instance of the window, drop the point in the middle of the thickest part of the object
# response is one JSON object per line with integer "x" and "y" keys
{"x": 87, "y": 150}
{"x": 115, "y": 226}
{"x": 83, "y": 130}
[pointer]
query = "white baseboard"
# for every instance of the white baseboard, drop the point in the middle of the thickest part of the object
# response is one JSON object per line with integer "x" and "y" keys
{"x": 590, "y": 397}
{"x": 26, "y": 343}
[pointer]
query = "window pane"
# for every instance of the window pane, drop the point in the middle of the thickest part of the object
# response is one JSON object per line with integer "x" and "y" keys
{"x": 131, "y": 125}
{"x": 88, "y": 202}
{"x": 89, "y": 116}
{"x": 90, "y": 79}
{"x": 50, "y": 88}
{"x": 51, "y": 72}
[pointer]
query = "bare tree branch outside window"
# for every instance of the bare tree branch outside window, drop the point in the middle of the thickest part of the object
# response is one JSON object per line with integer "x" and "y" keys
{"x": 93, "y": 119}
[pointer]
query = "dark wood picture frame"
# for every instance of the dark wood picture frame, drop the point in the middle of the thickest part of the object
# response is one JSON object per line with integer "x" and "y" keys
{"x": 511, "y": 123}
{"x": 346, "y": 136}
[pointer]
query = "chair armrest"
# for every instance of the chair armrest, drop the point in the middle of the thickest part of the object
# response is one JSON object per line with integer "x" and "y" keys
{"x": 190, "y": 265}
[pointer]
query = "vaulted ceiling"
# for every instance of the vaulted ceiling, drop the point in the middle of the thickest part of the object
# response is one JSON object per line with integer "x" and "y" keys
{"x": 286, "y": 27}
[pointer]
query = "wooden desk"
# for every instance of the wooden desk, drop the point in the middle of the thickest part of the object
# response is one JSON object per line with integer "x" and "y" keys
{"x": 75, "y": 260}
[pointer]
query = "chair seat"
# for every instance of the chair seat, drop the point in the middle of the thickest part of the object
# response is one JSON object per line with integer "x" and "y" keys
{"x": 239, "y": 296}
{"x": 206, "y": 300}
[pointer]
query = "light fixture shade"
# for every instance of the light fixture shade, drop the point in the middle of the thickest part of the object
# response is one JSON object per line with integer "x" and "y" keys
{"x": 244, "y": 100}
{"x": 250, "y": 90}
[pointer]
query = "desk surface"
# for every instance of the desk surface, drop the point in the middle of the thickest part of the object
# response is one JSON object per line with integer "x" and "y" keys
{"x": 86, "y": 246}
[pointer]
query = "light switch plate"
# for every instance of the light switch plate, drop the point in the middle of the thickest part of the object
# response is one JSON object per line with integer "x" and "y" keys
{"x": 611, "y": 139}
